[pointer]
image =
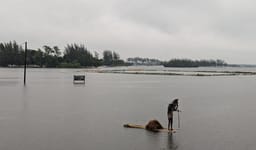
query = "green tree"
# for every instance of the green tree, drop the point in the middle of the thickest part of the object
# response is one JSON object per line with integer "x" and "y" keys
{"x": 48, "y": 50}
{"x": 107, "y": 57}
{"x": 11, "y": 54}
{"x": 56, "y": 51}
{"x": 39, "y": 59}
{"x": 116, "y": 56}
{"x": 79, "y": 53}
{"x": 51, "y": 60}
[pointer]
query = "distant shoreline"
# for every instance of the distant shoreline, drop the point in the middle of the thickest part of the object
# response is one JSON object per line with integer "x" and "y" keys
{"x": 173, "y": 72}
{"x": 152, "y": 70}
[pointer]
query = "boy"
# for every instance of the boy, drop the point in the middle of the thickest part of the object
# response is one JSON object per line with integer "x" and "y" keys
{"x": 172, "y": 107}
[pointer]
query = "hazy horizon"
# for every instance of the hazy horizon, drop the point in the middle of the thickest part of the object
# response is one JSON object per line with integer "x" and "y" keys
{"x": 217, "y": 29}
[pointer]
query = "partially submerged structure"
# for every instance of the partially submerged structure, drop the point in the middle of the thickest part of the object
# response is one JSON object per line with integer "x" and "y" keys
{"x": 78, "y": 79}
{"x": 152, "y": 125}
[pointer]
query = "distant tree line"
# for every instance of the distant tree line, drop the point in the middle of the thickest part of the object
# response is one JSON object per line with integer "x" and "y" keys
{"x": 112, "y": 58}
{"x": 176, "y": 62}
{"x": 143, "y": 61}
{"x": 194, "y": 63}
{"x": 77, "y": 55}
{"x": 10, "y": 53}
{"x": 74, "y": 56}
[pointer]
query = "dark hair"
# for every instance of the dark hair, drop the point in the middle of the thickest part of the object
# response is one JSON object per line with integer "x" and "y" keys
{"x": 175, "y": 101}
{"x": 174, "y": 105}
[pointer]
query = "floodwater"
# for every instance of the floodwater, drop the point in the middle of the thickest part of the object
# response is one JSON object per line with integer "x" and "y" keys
{"x": 52, "y": 113}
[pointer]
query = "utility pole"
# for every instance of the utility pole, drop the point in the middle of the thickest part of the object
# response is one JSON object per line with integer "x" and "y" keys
{"x": 25, "y": 63}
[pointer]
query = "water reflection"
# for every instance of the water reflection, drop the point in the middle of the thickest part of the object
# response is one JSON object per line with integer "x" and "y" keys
{"x": 154, "y": 139}
{"x": 163, "y": 141}
{"x": 79, "y": 84}
{"x": 24, "y": 98}
{"x": 8, "y": 83}
{"x": 171, "y": 144}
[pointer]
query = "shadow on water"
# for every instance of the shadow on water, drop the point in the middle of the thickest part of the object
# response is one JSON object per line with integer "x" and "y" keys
{"x": 162, "y": 141}
{"x": 171, "y": 144}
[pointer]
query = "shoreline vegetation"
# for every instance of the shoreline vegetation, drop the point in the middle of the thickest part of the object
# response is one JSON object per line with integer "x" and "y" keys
{"x": 73, "y": 56}
{"x": 78, "y": 56}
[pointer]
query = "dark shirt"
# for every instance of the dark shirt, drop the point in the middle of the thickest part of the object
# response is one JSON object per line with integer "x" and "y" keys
{"x": 172, "y": 107}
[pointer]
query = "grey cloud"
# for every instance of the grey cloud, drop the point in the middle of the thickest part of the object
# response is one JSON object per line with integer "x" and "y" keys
{"x": 149, "y": 28}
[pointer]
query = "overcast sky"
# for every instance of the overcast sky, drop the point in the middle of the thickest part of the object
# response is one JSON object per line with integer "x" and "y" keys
{"x": 163, "y": 29}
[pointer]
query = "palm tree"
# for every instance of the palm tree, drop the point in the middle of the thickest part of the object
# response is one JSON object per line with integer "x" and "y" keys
{"x": 48, "y": 50}
{"x": 56, "y": 51}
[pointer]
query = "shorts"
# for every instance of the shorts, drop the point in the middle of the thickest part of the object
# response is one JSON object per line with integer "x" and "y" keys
{"x": 170, "y": 115}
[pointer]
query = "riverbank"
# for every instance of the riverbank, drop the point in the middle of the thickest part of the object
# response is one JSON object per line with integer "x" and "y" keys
{"x": 160, "y": 70}
{"x": 207, "y": 71}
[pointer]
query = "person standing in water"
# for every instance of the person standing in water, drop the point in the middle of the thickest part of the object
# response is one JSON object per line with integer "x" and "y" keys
{"x": 171, "y": 108}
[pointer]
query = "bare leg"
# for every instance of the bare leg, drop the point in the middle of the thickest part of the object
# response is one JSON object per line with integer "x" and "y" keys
{"x": 171, "y": 123}
{"x": 169, "y": 120}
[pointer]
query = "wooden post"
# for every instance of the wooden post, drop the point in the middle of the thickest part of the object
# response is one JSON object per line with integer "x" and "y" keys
{"x": 25, "y": 63}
